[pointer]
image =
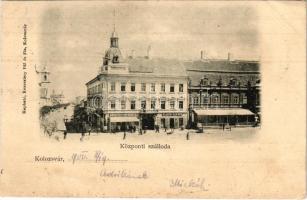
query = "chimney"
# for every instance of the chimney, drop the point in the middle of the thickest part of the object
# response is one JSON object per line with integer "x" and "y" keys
{"x": 132, "y": 55}
{"x": 229, "y": 56}
{"x": 148, "y": 52}
{"x": 203, "y": 55}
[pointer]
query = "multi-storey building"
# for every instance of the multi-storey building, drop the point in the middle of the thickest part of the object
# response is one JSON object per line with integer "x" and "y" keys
{"x": 223, "y": 92}
{"x": 134, "y": 92}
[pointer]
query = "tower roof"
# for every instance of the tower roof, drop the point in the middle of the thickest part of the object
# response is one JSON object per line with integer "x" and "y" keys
{"x": 114, "y": 34}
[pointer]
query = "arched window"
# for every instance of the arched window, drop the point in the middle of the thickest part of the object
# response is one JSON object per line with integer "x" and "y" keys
{"x": 233, "y": 82}
{"x": 204, "y": 81}
{"x": 115, "y": 59}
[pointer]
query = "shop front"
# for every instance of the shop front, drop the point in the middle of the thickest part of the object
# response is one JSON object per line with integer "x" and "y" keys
{"x": 123, "y": 122}
{"x": 172, "y": 119}
{"x": 218, "y": 117}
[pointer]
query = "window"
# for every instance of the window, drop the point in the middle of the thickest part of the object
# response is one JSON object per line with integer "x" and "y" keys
{"x": 205, "y": 99}
{"x": 113, "y": 104}
{"x": 153, "y": 104}
{"x": 195, "y": 100}
{"x": 225, "y": 99}
{"x": 181, "y": 105}
{"x": 180, "y": 121}
{"x": 257, "y": 96}
{"x": 132, "y": 105}
{"x": 112, "y": 86}
{"x": 172, "y": 88}
{"x": 132, "y": 87}
{"x": 215, "y": 99}
{"x": 123, "y": 105}
{"x": 204, "y": 81}
{"x": 180, "y": 87}
{"x": 163, "y": 105}
{"x": 233, "y": 81}
{"x": 152, "y": 87}
{"x": 99, "y": 88}
{"x": 115, "y": 59}
{"x": 162, "y": 87}
{"x": 172, "y": 104}
{"x": 244, "y": 99}
{"x": 235, "y": 99}
{"x": 123, "y": 87}
{"x": 143, "y": 87}
{"x": 97, "y": 103}
{"x": 143, "y": 104}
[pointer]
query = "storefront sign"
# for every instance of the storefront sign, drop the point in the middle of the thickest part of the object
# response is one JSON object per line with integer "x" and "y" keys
{"x": 123, "y": 115}
{"x": 171, "y": 114}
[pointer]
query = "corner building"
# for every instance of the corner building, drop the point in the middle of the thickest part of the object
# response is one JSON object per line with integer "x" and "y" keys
{"x": 138, "y": 92}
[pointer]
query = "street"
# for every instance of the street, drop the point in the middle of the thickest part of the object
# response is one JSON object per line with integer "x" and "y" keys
{"x": 210, "y": 135}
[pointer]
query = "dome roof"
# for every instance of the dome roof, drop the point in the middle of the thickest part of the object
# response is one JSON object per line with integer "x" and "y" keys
{"x": 112, "y": 52}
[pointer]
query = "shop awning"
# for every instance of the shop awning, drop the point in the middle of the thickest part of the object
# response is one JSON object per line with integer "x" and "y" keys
{"x": 220, "y": 111}
{"x": 124, "y": 119}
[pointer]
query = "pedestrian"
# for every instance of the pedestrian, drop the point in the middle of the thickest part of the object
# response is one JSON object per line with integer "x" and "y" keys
{"x": 89, "y": 128}
{"x": 65, "y": 134}
{"x": 223, "y": 125}
{"x": 158, "y": 128}
{"x": 82, "y": 136}
{"x": 61, "y": 126}
{"x": 83, "y": 130}
{"x": 124, "y": 136}
{"x": 188, "y": 135}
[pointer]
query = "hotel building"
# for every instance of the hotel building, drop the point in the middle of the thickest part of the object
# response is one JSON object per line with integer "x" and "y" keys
{"x": 137, "y": 92}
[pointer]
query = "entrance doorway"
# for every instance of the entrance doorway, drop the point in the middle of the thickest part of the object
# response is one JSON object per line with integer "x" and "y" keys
{"x": 171, "y": 122}
{"x": 148, "y": 121}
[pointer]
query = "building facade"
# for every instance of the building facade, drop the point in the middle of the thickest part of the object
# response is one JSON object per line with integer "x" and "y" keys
{"x": 224, "y": 92}
{"x": 134, "y": 93}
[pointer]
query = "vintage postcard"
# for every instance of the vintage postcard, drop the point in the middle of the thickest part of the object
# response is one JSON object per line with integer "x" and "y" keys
{"x": 173, "y": 99}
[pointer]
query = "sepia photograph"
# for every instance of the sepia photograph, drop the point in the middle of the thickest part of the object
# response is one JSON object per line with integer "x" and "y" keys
{"x": 144, "y": 71}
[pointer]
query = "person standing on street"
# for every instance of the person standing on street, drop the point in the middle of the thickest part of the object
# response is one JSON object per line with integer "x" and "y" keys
{"x": 61, "y": 126}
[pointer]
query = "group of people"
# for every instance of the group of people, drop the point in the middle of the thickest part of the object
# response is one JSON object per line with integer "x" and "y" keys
{"x": 127, "y": 128}
{"x": 83, "y": 127}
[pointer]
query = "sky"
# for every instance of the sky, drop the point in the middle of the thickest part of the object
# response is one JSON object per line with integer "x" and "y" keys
{"x": 73, "y": 39}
